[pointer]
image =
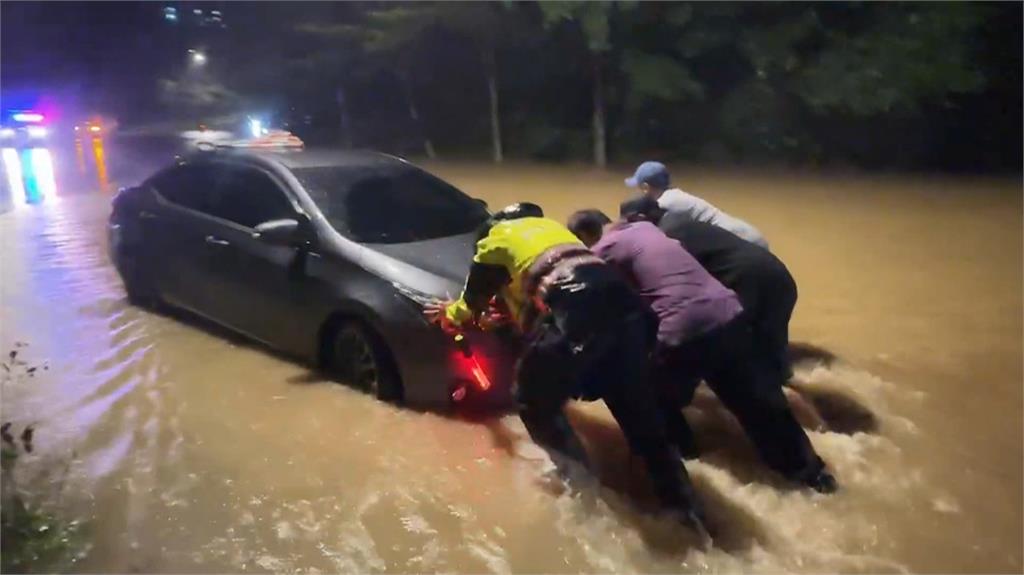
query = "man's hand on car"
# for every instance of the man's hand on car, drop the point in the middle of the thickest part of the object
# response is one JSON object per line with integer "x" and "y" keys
{"x": 435, "y": 314}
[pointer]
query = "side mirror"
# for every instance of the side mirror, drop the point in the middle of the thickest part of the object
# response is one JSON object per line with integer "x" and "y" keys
{"x": 278, "y": 232}
{"x": 483, "y": 203}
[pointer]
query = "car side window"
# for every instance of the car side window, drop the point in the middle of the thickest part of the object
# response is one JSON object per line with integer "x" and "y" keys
{"x": 249, "y": 197}
{"x": 187, "y": 186}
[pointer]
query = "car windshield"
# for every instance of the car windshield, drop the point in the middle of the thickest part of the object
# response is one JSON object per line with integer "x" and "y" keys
{"x": 390, "y": 204}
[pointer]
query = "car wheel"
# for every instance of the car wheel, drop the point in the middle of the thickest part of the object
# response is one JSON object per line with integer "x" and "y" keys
{"x": 137, "y": 283}
{"x": 361, "y": 359}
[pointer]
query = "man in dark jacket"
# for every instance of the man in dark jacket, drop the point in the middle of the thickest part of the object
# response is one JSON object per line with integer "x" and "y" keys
{"x": 703, "y": 334}
{"x": 761, "y": 281}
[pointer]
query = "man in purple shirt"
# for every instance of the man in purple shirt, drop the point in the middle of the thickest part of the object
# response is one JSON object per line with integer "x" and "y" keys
{"x": 703, "y": 334}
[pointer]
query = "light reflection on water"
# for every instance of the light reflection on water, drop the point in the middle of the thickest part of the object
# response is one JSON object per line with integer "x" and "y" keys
{"x": 42, "y": 177}
{"x": 101, "y": 163}
{"x": 79, "y": 156}
{"x": 30, "y": 175}
{"x": 37, "y": 175}
{"x": 12, "y": 168}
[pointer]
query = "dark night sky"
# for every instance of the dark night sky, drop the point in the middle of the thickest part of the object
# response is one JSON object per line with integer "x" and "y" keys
{"x": 71, "y": 46}
{"x": 100, "y": 56}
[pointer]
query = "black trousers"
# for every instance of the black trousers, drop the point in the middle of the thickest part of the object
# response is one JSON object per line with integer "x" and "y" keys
{"x": 596, "y": 344}
{"x": 769, "y": 300}
{"x": 726, "y": 359}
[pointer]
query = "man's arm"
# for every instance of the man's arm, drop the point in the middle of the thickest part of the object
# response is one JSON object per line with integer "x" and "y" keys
{"x": 487, "y": 275}
{"x": 609, "y": 250}
{"x": 483, "y": 283}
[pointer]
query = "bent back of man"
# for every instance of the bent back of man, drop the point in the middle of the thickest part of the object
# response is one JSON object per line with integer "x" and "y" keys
{"x": 760, "y": 279}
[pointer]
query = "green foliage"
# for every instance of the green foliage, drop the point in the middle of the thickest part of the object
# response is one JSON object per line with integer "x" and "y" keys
{"x": 653, "y": 76}
{"x": 909, "y": 55}
{"x": 592, "y": 18}
{"x": 34, "y": 540}
{"x": 397, "y": 28}
{"x": 701, "y": 28}
{"x": 766, "y": 77}
{"x": 485, "y": 23}
{"x": 757, "y": 122}
{"x": 37, "y": 541}
{"x": 772, "y": 49}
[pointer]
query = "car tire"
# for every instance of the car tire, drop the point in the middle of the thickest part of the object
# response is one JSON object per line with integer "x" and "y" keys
{"x": 138, "y": 284}
{"x": 360, "y": 358}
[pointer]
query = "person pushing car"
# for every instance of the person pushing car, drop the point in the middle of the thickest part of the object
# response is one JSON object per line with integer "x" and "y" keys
{"x": 652, "y": 179}
{"x": 703, "y": 334}
{"x": 762, "y": 282}
{"x": 588, "y": 336}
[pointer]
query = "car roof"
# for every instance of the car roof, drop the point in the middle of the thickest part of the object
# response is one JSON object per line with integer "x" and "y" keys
{"x": 295, "y": 159}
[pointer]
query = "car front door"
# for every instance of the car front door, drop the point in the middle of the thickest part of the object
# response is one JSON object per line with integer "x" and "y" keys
{"x": 259, "y": 285}
{"x": 178, "y": 229}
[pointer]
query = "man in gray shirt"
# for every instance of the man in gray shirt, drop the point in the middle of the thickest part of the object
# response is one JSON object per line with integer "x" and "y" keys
{"x": 652, "y": 178}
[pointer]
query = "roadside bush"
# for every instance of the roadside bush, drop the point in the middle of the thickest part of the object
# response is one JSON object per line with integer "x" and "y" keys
{"x": 34, "y": 539}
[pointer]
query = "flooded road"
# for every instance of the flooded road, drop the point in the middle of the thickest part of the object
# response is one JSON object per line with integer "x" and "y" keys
{"x": 181, "y": 449}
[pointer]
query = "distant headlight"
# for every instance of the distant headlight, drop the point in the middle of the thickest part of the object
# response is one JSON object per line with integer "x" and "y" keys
{"x": 7, "y": 133}
{"x": 36, "y": 132}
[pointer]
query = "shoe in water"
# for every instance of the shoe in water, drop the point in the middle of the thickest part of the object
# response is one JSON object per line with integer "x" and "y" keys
{"x": 822, "y": 482}
{"x": 694, "y": 521}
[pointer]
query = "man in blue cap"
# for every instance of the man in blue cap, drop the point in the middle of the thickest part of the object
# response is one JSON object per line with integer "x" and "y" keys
{"x": 652, "y": 178}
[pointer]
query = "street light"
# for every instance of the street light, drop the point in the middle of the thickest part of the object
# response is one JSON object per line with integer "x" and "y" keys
{"x": 256, "y": 127}
{"x": 198, "y": 58}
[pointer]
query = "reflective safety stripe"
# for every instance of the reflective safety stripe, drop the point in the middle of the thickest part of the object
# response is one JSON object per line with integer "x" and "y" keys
{"x": 514, "y": 245}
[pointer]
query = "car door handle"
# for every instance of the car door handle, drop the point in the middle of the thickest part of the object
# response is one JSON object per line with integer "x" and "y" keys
{"x": 215, "y": 241}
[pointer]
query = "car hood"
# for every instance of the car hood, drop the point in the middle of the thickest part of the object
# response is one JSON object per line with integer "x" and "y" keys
{"x": 446, "y": 262}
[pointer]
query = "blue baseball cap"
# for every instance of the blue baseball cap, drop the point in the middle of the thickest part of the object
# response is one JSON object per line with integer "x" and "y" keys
{"x": 654, "y": 174}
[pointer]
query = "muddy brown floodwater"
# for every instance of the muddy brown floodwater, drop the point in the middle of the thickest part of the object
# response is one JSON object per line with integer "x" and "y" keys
{"x": 187, "y": 451}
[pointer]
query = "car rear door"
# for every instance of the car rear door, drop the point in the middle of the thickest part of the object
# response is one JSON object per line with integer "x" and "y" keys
{"x": 259, "y": 287}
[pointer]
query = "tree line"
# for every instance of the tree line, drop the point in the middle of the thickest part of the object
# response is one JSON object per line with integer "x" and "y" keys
{"x": 917, "y": 85}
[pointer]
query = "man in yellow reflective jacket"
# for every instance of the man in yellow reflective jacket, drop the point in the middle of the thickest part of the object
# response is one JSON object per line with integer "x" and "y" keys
{"x": 588, "y": 336}
{"x": 502, "y": 264}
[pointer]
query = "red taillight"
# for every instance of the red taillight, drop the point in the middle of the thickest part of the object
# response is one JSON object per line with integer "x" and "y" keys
{"x": 469, "y": 362}
{"x": 482, "y": 381}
